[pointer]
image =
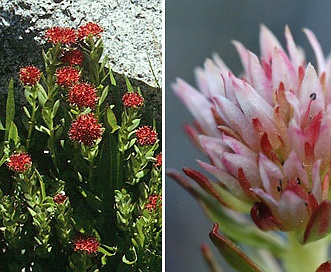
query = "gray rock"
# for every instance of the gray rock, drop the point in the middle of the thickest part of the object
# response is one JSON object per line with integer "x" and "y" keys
{"x": 132, "y": 33}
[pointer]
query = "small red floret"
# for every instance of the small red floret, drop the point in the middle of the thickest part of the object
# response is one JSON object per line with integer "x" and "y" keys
{"x": 67, "y": 76}
{"x": 153, "y": 201}
{"x": 73, "y": 57}
{"x": 85, "y": 129}
{"x": 29, "y": 75}
{"x": 83, "y": 95}
{"x": 89, "y": 244}
{"x": 89, "y": 29}
{"x": 158, "y": 158}
{"x": 19, "y": 162}
{"x": 60, "y": 198}
{"x": 132, "y": 100}
{"x": 64, "y": 35}
{"x": 146, "y": 135}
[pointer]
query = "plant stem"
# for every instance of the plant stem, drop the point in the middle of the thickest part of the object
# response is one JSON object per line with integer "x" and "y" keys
{"x": 32, "y": 121}
{"x": 305, "y": 258}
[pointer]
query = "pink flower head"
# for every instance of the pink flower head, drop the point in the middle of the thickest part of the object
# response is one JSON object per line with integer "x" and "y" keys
{"x": 132, "y": 100}
{"x": 64, "y": 35}
{"x": 89, "y": 29}
{"x": 73, "y": 57}
{"x": 29, "y": 75}
{"x": 83, "y": 95}
{"x": 146, "y": 135}
{"x": 267, "y": 134}
{"x": 158, "y": 158}
{"x": 85, "y": 129}
{"x": 19, "y": 162}
{"x": 88, "y": 244}
{"x": 153, "y": 201}
{"x": 60, "y": 198}
{"x": 67, "y": 76}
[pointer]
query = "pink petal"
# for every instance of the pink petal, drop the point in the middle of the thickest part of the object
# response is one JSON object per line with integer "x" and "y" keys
{"x": 236, "y": 120}
{"x": 258, "y": 78}
{"x": 243, "y": 54}
{"x": 317, "y": 49}
{"x": 319, "y": 224}
{"x": 270, "y": 175}
{"x": 316, "y": 181}
{"x": 197, "y": 103}
{"x": 283, "y": 71}
{"x": 239, "y": 148}
{"x": 311, "y": 85}
{"x": 296, "y": 140}
{"x": 268, "y": 42}
{"x": 293, "y": 169}
{"x": 292, "y": 210}
{"x": 233, "y": 162}
{"x": 297, "y": 55}
{"x": 223, "y": 177}
{"x": 209, "y": 79}
{"x": 322, "y": 148}
{"x": 215, "y": 149}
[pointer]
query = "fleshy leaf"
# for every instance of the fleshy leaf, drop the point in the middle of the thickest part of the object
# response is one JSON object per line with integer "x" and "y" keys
{"x": 319, "y": 224}
{"x": 232, "y": 253}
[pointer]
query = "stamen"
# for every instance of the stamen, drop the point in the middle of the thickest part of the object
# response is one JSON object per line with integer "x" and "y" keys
{"x": 313, "y": 96}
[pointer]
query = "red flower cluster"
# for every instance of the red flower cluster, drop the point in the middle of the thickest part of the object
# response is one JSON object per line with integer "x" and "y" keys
{"x": 19, "y": 162}
{"x": 158, "y": 158}
{"x": 152, "y": 202}
{"x": 146, "y": 135}
{"x": 67, "y": 76}
{"x": 63, "y": 35}
{"x": 60, "y": 198}
{"x": 73, "y": 57}
{"x": 89, "y": 29}
{"x": 29, "y": 75}
{"x": 83, "y": 95}
{"x": 132, "y": 100}
{"x": 85, "y": 129}
{"x": 89, "y": 244}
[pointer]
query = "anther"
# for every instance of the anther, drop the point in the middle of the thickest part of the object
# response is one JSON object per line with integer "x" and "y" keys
{"x": 313, "y": 96}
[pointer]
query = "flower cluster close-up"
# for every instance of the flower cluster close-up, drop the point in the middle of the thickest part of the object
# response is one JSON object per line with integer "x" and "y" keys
{"x": 266, "y": 135}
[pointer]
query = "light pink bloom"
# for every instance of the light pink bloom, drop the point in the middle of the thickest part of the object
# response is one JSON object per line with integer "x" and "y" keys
{"x": 267, "y": 134}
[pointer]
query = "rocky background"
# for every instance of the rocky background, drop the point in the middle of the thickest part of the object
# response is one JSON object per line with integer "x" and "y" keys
{"x": 132, "y": 37}
{"x": 132, "y": 32}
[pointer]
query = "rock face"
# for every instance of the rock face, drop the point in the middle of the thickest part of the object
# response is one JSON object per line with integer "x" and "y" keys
{"x": 132, "y": 33}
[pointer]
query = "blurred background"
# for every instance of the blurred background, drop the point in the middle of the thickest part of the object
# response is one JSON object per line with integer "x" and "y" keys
{"x": 194, "y": 30}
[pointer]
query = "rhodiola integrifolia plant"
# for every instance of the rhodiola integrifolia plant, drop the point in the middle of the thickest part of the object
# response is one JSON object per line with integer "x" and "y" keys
{"x": 80, "y": 175}
{"x": 267, "y": 137}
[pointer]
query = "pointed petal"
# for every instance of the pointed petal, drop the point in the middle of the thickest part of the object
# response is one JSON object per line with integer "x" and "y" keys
{"x": 271, "y": 176}
{"x": 239, "y": 148}
{"x": 292, "y": 210}
{"x": 223, "y": 177}
{"x": 311, "y": 85}
{"x": 258, "y": 78}
{"x": 297, "y": 55}
{"x": 232, "y": 253}
{"x": 283, "y": 71}
{"x": 316, "y": 181}
{"x": 293, "y": 169}
{"x": 199, "y": 106}
{"x": 236, "y": 120}
{"x": 322, "y": 148}
{"x": 319, "y": 224}
{"x": 233, "y": 162}
{"x": 317, "y": 50}
{"x": 268, "y": 42}
{"x": 215, "y": 149}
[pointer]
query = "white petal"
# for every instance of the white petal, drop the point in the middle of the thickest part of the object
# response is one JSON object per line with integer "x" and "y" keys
{"x": 317, "y": 49}
{"x": 268, "y": 42}
{"x": 296, "y": 54}
{"x": 199, "y": 106}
